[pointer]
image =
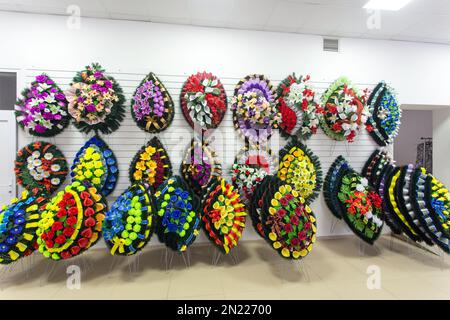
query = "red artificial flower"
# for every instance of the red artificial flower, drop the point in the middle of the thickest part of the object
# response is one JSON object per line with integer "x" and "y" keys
{"x": 71, "y": 202}
{"x": 288, "y": 227}
{"x": 304, "y": 104}
{"x": 68, "y": 232}
{"x": 49, "y": 244}
{"x": 61, "y": 213}
{"x": 307, "y": 225}
{"x": 74, "y": 250}
{"x": 284, "y": 202}
{"x": 66, "y": 255}
{"x": 289, "y": 196}
{"x": 71, "y": 221}
{"x": 281, "y": 212}
{"x": 294, "y": 220}
{"x": 89, "y": 222}
{"x": 89, "y": 212}
{"x": 302, "y": 235}
{"x": 60, "y": 239}
{"x": 67, "y": 196}
{"x": 351, "y": 136}
{"x": 87, "y": 233}
{"x": 337, "y": 127}
{"x": 50, "y": 235}
{"x": 73, "y": 211}
{"x": 295, "y": 242}
{"x": 57, "y": 225}
{"x": 83, "y": 242}
{"x": 288, "y": 117}
{"x": 369, "y": 128}
{"x": 298, "y": 211}
{"x": 331, "y": 108}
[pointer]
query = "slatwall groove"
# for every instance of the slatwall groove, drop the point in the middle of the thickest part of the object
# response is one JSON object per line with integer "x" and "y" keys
{"x": 129, "y": 138}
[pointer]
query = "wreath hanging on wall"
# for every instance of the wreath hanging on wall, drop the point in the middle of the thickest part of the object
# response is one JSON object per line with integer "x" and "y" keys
{"x": 40, "y": 166}
{"x": 356, "y": 202}
{"x": 345, "y": 111}
{"x": 179, "y": 218}
{"x": 129, "y": 224}
{"x": 96, "y": 163}
{"x": 96, "y": 101}
{"x": 42, "y": 108}
{"x": 18, "y": 223}
{"x": 200, "y": 166}
{"x": 431, "y": 202}
{"x": 151, "y": 105}
{"x": 224, "y": 215}
{"x": 255, "y": 115}
{"x": 203, "y": 101}
{"x": 250, "y": 167}
{"x": 384, "y": 121}
{"x": 71, "y": 222}
{"x": 284, "y": 219}
{"x": 151, "y": 165}
{"x": 299, "y": 110}
{"x": 301, "y": 168}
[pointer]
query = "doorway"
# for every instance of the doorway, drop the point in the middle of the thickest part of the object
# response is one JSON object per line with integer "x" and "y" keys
{"x": 8, "y": 134}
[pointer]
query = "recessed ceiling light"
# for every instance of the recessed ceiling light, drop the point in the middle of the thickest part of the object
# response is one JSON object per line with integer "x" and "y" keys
{"x": 392, "y": 5}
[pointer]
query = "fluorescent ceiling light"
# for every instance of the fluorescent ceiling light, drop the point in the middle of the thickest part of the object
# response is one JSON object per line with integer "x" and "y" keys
{"x": 392, "y": 5}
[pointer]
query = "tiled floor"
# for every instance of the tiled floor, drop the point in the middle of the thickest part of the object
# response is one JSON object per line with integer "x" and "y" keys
{"x": 335, "y": 269}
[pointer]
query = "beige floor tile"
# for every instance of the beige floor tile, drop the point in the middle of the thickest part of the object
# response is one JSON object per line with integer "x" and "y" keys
{"x": 194, "y": 282}
{"x": 415, "y": 288}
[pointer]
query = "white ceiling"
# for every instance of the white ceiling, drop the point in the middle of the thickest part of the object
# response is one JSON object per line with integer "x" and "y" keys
{"x": 420, "y": 20}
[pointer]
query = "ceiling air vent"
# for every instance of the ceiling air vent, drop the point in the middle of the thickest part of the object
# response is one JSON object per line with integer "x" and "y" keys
{"x": 331, "y": 45}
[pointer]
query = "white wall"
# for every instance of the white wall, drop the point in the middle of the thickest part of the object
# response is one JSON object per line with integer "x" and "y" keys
{"x": 441, "y": 145}
{"x": 129, "y": 50}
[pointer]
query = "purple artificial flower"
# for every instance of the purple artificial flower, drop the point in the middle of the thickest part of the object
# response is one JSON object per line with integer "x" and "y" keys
{"x": 90, "y": 108}
{"x": 98, "y": 74}
{"x": 60, "y": 96}
{"x": 39, "y": 129}
{"x": 41, "y": 78}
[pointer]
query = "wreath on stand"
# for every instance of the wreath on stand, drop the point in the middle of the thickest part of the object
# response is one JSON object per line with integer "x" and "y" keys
{"x": 250, "y": 166}
{"x": 431, "y": 202}
{"x": 179, "y": 218}
{"x": 203, "y": 101}
{"x": 129, "y": 224}
{"x": 18, "y": 224}
{"x": 96, "y": 163}
{"x": 42, "y": 108}
{"x": 301, "y": 168}
{"x": 151, "y": 165}
{"x": 40, "y": 167}
{"x": 300, "y": 113}
{"x": 357, "y": 203}
{"x": 284, "y": 219}
{"x": 223, "y": 215}
{"x": 255, "y": 115}
{"x": 151, "y": 105}
{"x": 384, "y": 121}
{"x": 390, "y": 221}
{"x": 96, "y": 101}
{"x": 344, "y": 111}
{"x": 200, "y": 166}
{"x": 71, "y": 222}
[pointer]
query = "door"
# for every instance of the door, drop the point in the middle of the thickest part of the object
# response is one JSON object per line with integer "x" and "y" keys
{"x": 8, "y": 138}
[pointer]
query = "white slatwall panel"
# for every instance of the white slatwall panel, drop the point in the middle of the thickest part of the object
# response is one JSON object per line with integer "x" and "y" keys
{"x": 128, "y": 139}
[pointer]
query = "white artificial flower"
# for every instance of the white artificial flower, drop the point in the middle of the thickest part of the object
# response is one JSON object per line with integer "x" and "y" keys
{"x": 364, "y": 182}
{"x": 55, "y": 181}
{"x": 55, "y": 167}
{"x": 360, "y": 187}
{"x": 354, "y": 117}
{"x": 369, "y": 214}
{"x": 46, "y": 174}
{"x": 37, "y": 162}
{"x": 36, "y": 154}
{"x": 48, "y": 156}
{"x": 345, "y": 126}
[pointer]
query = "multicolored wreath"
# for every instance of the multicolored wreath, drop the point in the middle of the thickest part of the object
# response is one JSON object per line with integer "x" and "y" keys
{"x": 151, "y": 165}
{"x": 151, "y": 105}
{"x": 375, "y": 165}
{"x": 96, "y": 163}
{"x": 254, "y": 108}
{"x": 42, "y": 109}
{"x": 402, "y": 219}
{"x": 129, "y": 224}
{"x": 285, "y": 220}
{"x": 300, "y": 113}
{"x": 384, "y": 121}
{"x": 348, "y": 195}
{"x": 71, "y": 222}
{"x": 250, "y": 167}
{"x": 203, "y": 100}
{"x": 301, "y": 168}
{"x": 40, "y": 166}
{"x": 223, "y": 215}
{"x": 199, "y": 166}
{"x": 18, "y": 223}
{"x": 96, "y": 101}
{"x": 179, "y": 218}
{"x": 390, "y": 221}
{"x": 345, "y": 111}
{"x": 431, "y": 202}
